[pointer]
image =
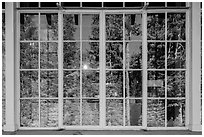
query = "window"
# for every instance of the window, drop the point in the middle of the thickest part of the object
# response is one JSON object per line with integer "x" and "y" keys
{"x": 96, "y": 68}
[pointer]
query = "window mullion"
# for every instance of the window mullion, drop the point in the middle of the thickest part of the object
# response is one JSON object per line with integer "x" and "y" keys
{"x": 102, "y": 54}
{"x": 60, "y": 69}
{"x": 144, "y": 68}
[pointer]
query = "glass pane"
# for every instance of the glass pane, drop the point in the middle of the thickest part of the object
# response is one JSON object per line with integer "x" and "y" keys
{"x": 71, "y": 51}
{"x": 112, "y": 4}
{"x": 71, "y": 27}
{"x": 133, "y": 84}
{"x": 133, "y": 55}
{"x": 114, "y": 83}
{"x": 3, "y": 5}
{"x": 28, "y": 84}
{"x": 48, "y": 55}
{"x": 176, "y": 55}
{"x": 133, "y": 113}
{"x": 176, "y": 83}
{"x": 90, "y": 83}
{"x": 29, "y": 26}
{"x": 90, "y": 112}
{"x": 155, "y": 26}
{"x": 70, "y": 4}
{"x": 71, "y": 83}
{"x": 155, "y": 113}
{"x": 114, "y": 27}
{"x": 133, "y": 27}
{"x": 29, "y": 111}
{"x": 90, "y": 55}
{"x": 156, "y": 4}
{"x": 90, "y": 27}
{"x": 114, "y": 112}
{"x": 176, "y": 26}
{"x": 114, "y": 55}
{"x": 49, "y": 113}
{"x": 175, "y": 113}
{"x": 29, "y": 55}
{"x": 48, "y": 4}
{"x": 71, "y": 112}
{"x": 28, "y": 4}
{"x": 176, "y": 4}
{"x": 49, "y": 84}
{"x": 3, "y": 26}
{"x": 134, "y": 4}
{"x": 49, "y": 26}
{"x": 3, "y": 112}
{"x": 91, "y": 4}
{"x": 156, "y": 84}
{"x": 156, "y": 55}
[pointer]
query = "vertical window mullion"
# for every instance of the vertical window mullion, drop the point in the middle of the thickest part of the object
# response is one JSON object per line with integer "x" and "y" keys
{"x": 144, "y": 70}
{"x": 39, "y": 66}
{"x": 165, "y": 69}
{"x": 60, "y": 69}
{"x": 102, "y": 75}
{"x": 124, "y": 65}
{"x": 80, "y": 38}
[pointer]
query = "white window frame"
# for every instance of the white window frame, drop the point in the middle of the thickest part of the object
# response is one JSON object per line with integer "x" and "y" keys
{"x": 192, "y": 85}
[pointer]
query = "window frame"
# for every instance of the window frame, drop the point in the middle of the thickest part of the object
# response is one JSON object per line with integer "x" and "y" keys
{"x": 103, "y": 69}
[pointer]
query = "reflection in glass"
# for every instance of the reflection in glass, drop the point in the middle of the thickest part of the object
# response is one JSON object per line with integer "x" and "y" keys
{"x": 90, "y": 83}
{"x": 114, "y": 55}
{"x": 90, "y": 112}
{"x": 133, "y": 55}
{"x": 71, "y": 51}
{"x": 48, "y": 26}
{"x": 156, "y": 84}
{"x": 28, "y": 84}
{"x": 48, "y": 55}
{"x": 133, "y": 27}
{"x": 90, "y": 27}
{"x": 155, "y": 26}
{"x": 29, "y": 55}
{"x": 114, "y": 27}
{"x": 29, "y": 26}
{"x": 29, "y": 113}
{"x": 71, "y": 27}
{"x": 156, "y": 55}
{"x": 49, "y": 84}
{"x": 176, "y": 83}
{"x": 175, "y": 113}
{"x": 71, "y": 112}
{"x": 176, "y": 55}
{"x": 133, "y": 113}
{"x": 156, "y": 113}
{"x": 176, "y": 26}
{"x": 114, "y": 83}
{"x": 71, "y": 84}
{"x": 49, "y": 113}
{"x": 133, "y": 84}
{"x": 90, "y": 54}
{"x": 3, "y": 27}
{"x": 114, "y": 112}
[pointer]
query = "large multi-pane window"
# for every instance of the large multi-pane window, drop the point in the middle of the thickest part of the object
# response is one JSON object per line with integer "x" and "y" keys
{"x": 99, "y": 68}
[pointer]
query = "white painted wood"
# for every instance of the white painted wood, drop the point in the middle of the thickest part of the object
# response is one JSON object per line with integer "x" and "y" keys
{"x": 60, "y": 70}
{"x": 10, "y": 67}
{"x": 195, "y": 100}
{"x": 144, "y": 69}
{"x": 187, "y": 72}
{"x": 165, "y": 69}
{"x": 39, "y": 70}
{"x": 102, "y": 87}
